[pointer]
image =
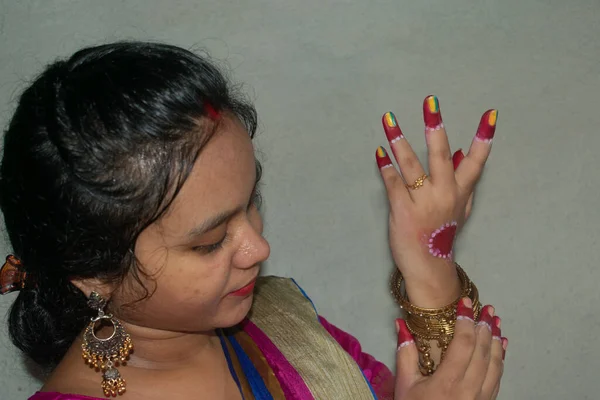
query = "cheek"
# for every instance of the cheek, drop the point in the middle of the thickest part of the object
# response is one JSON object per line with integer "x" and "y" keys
{"x": 192, "y": 280}
{"x": 185, "y": 293}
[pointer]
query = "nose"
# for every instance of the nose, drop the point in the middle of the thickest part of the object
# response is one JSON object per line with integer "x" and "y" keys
{"x": 254, "y": 248}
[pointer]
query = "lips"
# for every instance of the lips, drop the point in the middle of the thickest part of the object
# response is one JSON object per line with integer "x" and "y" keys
{"x": 244, "y": 291}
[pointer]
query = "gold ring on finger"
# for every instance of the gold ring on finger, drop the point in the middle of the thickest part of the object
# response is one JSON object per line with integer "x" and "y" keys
{"x": 418, "y": 182}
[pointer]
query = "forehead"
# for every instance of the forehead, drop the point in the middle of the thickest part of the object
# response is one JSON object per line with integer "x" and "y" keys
{"x": 221, "y": 179}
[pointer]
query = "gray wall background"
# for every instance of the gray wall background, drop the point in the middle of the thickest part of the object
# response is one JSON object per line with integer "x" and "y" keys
{"x": 322, "y": 73}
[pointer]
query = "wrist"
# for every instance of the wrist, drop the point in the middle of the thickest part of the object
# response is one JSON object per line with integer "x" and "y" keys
{"x": 434, "y": 290}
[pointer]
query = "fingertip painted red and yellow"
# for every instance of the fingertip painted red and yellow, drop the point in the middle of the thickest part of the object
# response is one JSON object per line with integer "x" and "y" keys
{"x": 383, "y": 160}
{"x": 487, "y": 126}
{"x": 391, "y": 128}
{"x": 433, "y": 104}
{"x": 390, "y": 120}
{"x": 431, "y": 113}
{"x": 492, "y": 117}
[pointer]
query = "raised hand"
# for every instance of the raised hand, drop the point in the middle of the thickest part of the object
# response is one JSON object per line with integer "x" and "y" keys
{"x": 427, "y": 210}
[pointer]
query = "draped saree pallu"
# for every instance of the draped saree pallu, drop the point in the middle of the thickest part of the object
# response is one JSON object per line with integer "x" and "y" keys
{"x": 299, "y": 354}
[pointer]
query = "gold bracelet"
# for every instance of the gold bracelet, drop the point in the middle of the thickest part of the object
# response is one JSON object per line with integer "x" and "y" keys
{"x": 433, "y": 324}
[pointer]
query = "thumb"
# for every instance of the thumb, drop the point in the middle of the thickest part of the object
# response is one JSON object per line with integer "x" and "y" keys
{"x": 407, "y": 360}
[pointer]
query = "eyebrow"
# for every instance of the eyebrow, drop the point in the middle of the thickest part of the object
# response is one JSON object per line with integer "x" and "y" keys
{"x": 212, "y": 223}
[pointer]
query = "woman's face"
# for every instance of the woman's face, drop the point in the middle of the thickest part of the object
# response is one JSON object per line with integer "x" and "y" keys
{"x": 206, "y": 248}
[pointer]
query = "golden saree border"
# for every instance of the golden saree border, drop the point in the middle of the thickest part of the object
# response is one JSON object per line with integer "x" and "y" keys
{"x": 288, "y": 318}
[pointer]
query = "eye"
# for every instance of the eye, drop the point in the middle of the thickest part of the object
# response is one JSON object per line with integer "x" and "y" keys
{"x": 209, "y": 248}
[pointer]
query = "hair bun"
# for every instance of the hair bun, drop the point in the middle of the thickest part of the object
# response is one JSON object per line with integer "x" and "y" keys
{"x": 37, "y": 325}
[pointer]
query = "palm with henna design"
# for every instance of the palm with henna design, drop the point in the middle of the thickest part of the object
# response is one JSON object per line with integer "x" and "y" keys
{"x": 424, "y": 217}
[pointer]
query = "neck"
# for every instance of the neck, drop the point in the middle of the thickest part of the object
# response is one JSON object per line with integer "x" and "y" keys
{"x": 163, "y": 350}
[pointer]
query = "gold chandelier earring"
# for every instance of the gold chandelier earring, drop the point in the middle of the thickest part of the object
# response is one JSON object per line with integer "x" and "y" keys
{"x": 105, "y": 354}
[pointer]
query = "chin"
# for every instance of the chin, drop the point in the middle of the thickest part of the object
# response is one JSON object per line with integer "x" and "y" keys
{"x": 238, "y": 312}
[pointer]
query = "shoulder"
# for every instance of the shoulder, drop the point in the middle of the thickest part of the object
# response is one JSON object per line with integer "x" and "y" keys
{"x": 273, "y": 280}
{"x": 276, "y": 295}
{"x": 69, "y": 381}
{"x": 279, "y": 286}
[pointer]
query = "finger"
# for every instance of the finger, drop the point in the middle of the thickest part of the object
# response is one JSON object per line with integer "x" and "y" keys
{"x": 469, "y": 206}
{"x": 471, "y": 167}
{"x": 390, "y": 176}
{"x": 496, "y": 367}
{"x": 461, "y": 348}
{"x": 457, "y": 157}
{"x": 497, "y": 388}
{"x": 407, "y": 358}
{"x": 438, "y": 148}
{"x": 480, "y": 363}
{"x": 496, "y": 391}
{"x": 408, "y": 162}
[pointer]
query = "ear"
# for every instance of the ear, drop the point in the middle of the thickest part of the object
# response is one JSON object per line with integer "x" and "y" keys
{"x": 89, "y": 285}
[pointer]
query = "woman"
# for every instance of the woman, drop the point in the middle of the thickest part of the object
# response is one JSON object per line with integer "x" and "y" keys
{"x": 129, "y": 189}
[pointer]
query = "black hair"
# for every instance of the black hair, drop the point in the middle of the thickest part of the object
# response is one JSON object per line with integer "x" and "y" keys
{"x": 98, "y": 147}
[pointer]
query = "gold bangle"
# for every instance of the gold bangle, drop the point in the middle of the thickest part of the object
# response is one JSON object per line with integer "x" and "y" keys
{"x": 433, "y": 324}
{"x": 403, "y": 301}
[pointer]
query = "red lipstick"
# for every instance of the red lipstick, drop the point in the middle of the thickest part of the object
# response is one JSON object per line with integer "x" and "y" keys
{"x": 244, "y": 291}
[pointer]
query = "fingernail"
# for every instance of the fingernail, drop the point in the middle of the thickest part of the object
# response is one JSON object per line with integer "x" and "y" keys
{"x": 404, "y": 336}
{"x": 486, "y": 317}
{"x": 496, "y": 328}
{"x": 431, "y": 114}
{"x": 464, "y": 310}
{"x": 488, "y": 310}
{"x": 504, "y": 346}
{"x": 457, "y": 157}
{"x": 391, "y": 128}
{"x": 487, "y": 126}
{"x": 383, "y": 160}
